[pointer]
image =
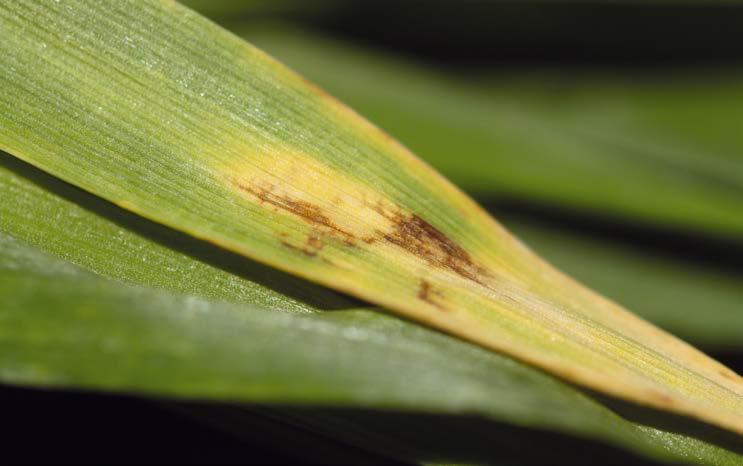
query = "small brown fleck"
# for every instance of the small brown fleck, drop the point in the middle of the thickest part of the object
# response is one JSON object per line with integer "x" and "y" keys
{"x": 430, "y": 295}
{"x": 312, "y": 246}
{"x": 314, "y": 241}
{"x": 662, "y": 398}
{"x": 304, "y": 250}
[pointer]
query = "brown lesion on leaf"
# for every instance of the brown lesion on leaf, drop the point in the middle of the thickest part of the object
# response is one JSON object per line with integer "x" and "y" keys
{"x": 428, "y": 294}
{"x": 417, "y": 236}
{"x": 384, "y": 222}
{"x": 660, "y": 397}
{"x": 302, "y": 249}
{"x": 309, "y": 212}
{"x": 311, "y": 247}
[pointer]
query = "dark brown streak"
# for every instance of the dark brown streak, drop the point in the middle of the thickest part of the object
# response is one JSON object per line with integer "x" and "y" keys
{"x": 304, "y": 250}
{"x": 419, "y": 237}
{"x": 303, "y": 209}
{"x": 428, "y": 294}
{"x": 410, "y": 232}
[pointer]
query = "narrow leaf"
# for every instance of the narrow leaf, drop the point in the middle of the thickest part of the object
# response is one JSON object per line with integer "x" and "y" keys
{"x": 92, "y": 233}
{"x": 154, "y": 108}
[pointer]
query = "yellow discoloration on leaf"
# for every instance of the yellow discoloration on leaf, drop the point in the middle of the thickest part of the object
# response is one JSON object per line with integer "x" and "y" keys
{"x": 301, "y": 187}
{"x": 333, "y": 208}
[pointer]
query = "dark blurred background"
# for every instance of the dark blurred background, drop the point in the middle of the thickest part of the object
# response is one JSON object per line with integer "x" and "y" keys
{"x": 493, "y": 34}
{"x": 606, "y": 134}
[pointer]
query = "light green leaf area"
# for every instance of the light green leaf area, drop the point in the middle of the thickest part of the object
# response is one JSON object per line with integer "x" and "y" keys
{"x": 163, "y": 113}
{"x": 655, "y": 148}
{"x": 63, "y": 326}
